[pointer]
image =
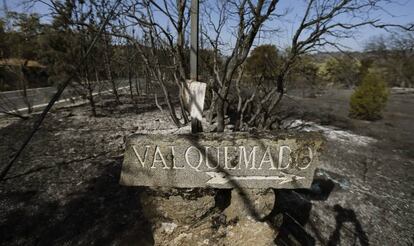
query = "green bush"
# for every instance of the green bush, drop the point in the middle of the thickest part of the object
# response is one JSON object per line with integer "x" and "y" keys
{"x": 369, "y": 99}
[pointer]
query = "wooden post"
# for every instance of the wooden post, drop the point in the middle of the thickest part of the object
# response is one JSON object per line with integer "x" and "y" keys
{"x": 197, "y": 89}
{"x": 194, "y": 41}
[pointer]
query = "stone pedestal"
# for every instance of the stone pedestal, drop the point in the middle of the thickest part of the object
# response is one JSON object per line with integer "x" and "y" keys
{"x": 252, "y": 164}
{"x": 254, "y": 203}
{"x": 176, "y": 205}
{"x": 192, "y": 217}
{"x": 248, "y": 231}
{"x": 179, "y": 216}
{"x": 246, "y": 215}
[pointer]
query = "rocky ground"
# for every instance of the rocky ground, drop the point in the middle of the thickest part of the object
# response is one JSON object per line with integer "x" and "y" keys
{"x": 64, "y": 189}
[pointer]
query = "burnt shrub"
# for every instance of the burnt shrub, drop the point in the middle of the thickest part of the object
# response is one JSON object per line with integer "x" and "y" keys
{"x": 369, "y": 98}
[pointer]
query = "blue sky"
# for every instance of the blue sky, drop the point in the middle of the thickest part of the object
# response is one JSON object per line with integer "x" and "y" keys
{"x": 398, "y": 12}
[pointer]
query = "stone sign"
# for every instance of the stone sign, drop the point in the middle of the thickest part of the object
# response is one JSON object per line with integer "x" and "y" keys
{"x": 285, "y": 160}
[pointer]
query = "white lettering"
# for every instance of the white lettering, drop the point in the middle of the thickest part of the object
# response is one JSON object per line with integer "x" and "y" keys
{"x": 269, "y": 159}
{"x": 173, "y": 159}
{"x": 200, "y": 158}
{"x": 247, "y": 160}
{"x": 207, "y": 158}
{"x": 226, "y": 159}
{"x": 139, "y": 157}
{"x": 162, "y": 160}
{"x": 310, "y": 157}
{"x": 281, "y": 155}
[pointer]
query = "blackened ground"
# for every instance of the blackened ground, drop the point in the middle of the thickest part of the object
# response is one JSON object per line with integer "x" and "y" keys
{"x": 363, "y": 191}
{"x": 64, "y": 189}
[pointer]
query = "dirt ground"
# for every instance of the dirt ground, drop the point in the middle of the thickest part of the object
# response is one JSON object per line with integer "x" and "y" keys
{"x": 64, "y": 189}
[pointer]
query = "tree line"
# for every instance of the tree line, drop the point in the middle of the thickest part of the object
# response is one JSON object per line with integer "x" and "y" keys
{"x": 246, "y": 81}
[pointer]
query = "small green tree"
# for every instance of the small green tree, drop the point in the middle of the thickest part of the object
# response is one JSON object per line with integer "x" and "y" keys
{"x": 341, "y": 70}
{"x": 264, "y": 61}
{"x": 369, "y": 99}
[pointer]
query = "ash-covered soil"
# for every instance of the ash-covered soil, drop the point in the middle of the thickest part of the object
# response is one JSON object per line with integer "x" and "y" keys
{"x": 64, "y": 189}
{"x": 363, "y": 192}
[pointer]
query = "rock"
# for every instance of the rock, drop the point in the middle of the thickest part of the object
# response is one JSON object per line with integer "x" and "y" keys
{"x": 230, "y": 126}
{"x": 256, "y": 203}
{"x": 183, "y": 217}
{"x": 175, "y": 208}
{"x": 183, "y": 235}
{"x": 168, "y": 227}
{"x": 249, "y": 232}
{"x": 176, "y": 215}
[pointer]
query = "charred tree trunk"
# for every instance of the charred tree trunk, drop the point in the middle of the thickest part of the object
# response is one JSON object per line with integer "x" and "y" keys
{"x": 137, "y": 88}
{"x": 212, "y": 107}
{"x": 220, "y": 114}
{"x": 24, "y": 88}
{"x": 130, "y": 83}
{"x": 25, "y": 98}
{"x": 147, "y": 81}
{"x": 91, "y": 99}
{"x": 90, "y": 88}
{"x": 108, "y": 69}
{"x": 171, "y": 108}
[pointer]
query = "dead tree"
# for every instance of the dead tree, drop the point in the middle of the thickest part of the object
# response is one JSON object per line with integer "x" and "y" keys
{"x": 108, "y": 67}
{"x": 129, "y": 60}
{"x": 395, "y": 54}
{"x": 24, "y": 85}
{"x": 250, "y": 17}
{"x": 321, "y": 24}
{"x": 9, "y": 107}
{"x": 162, "y": 50}
{"x": 84, "y": 78}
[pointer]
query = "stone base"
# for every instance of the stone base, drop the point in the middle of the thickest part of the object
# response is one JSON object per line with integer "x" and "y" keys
{"x": 176, "y": 205}
{"x": 171, "y": 234}
{"x": 248, "y": 231}
{"x": 191, "y": 217}
{"x": 255, "y": 203}
{"x": 245, "y": 232}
